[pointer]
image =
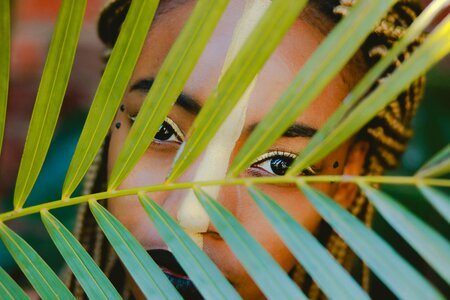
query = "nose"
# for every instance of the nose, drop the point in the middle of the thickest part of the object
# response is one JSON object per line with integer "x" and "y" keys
{"x": 184, "y": 205}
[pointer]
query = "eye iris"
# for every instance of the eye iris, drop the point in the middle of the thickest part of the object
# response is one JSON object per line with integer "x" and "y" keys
{"x": 279, "y": 165}
{"x": 165, "y": 132}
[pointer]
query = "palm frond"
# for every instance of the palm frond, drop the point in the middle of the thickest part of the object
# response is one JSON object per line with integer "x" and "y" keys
{"x": 44, "y": 280}
{"x": 402, "y": 279}
{"x": 5, "y": 52}
{"x": 168, "y": 85}
{"x": 110, "y": 90}
{"x": 268, "y": 275}
{"x": 142, "y": 268}
{"x": 91, "y": 278}
{"x": 50, "y": 96}
{"x": 399, "y": 276}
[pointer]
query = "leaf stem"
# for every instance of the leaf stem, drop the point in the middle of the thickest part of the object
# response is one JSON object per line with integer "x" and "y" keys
{"x": 399, "y": 180}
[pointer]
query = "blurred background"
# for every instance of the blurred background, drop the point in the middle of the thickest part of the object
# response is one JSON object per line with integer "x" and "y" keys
{"x": 32, "y": 27}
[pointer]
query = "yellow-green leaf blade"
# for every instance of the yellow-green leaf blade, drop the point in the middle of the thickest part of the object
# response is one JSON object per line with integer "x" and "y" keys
{"x": 9, "y": 289}
{"x": 267, "y": 274}
{"x": 431, "y": 51}
{"x": 5, "y": 58}
{"x": 41, "y": 277}
{"x": 145, "y": 272}
{"x": 205, "y": 275}
{"x": 88, "y": 274}
{"x": 416, "y": 28}
{"x": 439, "y": 200}
{"x": 317, "y": 261}
{"x": 110, "y": 90}
{"x": 241, "y": 72}
{"x": 438, "y": 165}
{"x": 168, "y": 85}
{"x": 402, "y": 279}
{"x": 321, "y": 68}
{"x": 433, "y": 248}
{"x": 50, "y": 95}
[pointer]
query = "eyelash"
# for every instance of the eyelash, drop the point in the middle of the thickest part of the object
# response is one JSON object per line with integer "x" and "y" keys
{"x": 280, "y": 155}
{"x": 173, "y": 126}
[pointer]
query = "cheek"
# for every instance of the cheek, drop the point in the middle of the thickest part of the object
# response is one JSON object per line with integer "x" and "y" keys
{"x": 150, "y": 170}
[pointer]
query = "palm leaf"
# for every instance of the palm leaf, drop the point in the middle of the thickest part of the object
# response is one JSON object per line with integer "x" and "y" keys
{"x": 50, "y": 96}
{"x": 437, "y": 165}
{"x": 168, "y": 85}
{"x": 432, "y": 50}
{"x": 266, "y": 273}
{"x": 204, "y": 274}
{"x": 9, "y": 289}
{"x": 245, "y": 63}
{"x": 110, "y": 90}
{"x": 439, "y": 200}
{"x": 91, "y": 278}
{"x": 241, "y": 72}
{"x": 329, "y": 275}
{"x": 415, "y": 30}
{"x": 427, "y": 242}
{"x": 145, "y": 272}
{"x": 5, "y": 53}
{"x": 43, "y": 279}
{"x": 320, "y": 69}
{"x": 403, "y": 280}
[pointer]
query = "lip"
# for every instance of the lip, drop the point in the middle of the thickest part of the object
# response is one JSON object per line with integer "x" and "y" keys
{"x": 167, "y": 262}
{"x": 175, "y": 273}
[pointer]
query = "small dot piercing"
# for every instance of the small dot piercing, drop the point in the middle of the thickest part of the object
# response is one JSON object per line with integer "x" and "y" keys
{"x": 122, "y": 107}
{"x": 118, "y": 125}
{"x": 335, "y": 164}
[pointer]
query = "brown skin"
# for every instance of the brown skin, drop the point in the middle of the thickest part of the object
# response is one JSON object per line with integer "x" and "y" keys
{"x": 280, "y": 70}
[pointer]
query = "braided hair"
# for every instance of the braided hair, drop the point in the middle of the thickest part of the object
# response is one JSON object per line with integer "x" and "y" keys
{"x": 387, "y": 135}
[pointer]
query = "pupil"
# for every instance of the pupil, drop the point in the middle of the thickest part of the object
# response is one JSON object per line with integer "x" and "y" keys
{"x": 165, "y": 132}
{"x": 280, "y": 165}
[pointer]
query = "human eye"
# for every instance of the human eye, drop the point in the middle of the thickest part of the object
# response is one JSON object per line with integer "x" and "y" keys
{"x": 277, "y": 163}
{"x": 168, "y": 132}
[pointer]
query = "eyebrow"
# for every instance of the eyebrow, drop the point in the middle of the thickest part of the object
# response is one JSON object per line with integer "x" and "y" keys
{"x": 186, "y": 102}
{"x": 295, "y": 130}
{"x": 192, "y": 106}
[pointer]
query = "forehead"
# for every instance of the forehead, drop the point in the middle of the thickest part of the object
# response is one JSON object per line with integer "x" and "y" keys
{"x": 292, "y": 53}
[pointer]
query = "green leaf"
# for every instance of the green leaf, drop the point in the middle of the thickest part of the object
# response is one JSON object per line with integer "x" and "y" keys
{"x": 431, "y": 51}
{"x": 438, "y": 165}
{"x": 205, "y": 275}
{"x": 5, "y": 56}
{"x": 433, "y": 248}
{"x": 317, "y": 261}
{"x": 439, "y": 200}
{"x": 110, "y": 90}
{"x": 145, "y": 272}
{"x": 168, "y": 85}
{"x": 345, "y": 39}
{"x": 267, "y": 274}
{"x": 9, "y": 289}
{"x": 89, "y": 275}
{"x": 241, "y": 72}
{"x": 415, "y": 30}
{"x": 402, "y": 279}
{"x": 50, "y": 95}
{"x": 41, "y": 277}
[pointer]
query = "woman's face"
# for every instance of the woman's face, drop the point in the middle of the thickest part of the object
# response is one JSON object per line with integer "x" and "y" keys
{"x": 279, "y": 71}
